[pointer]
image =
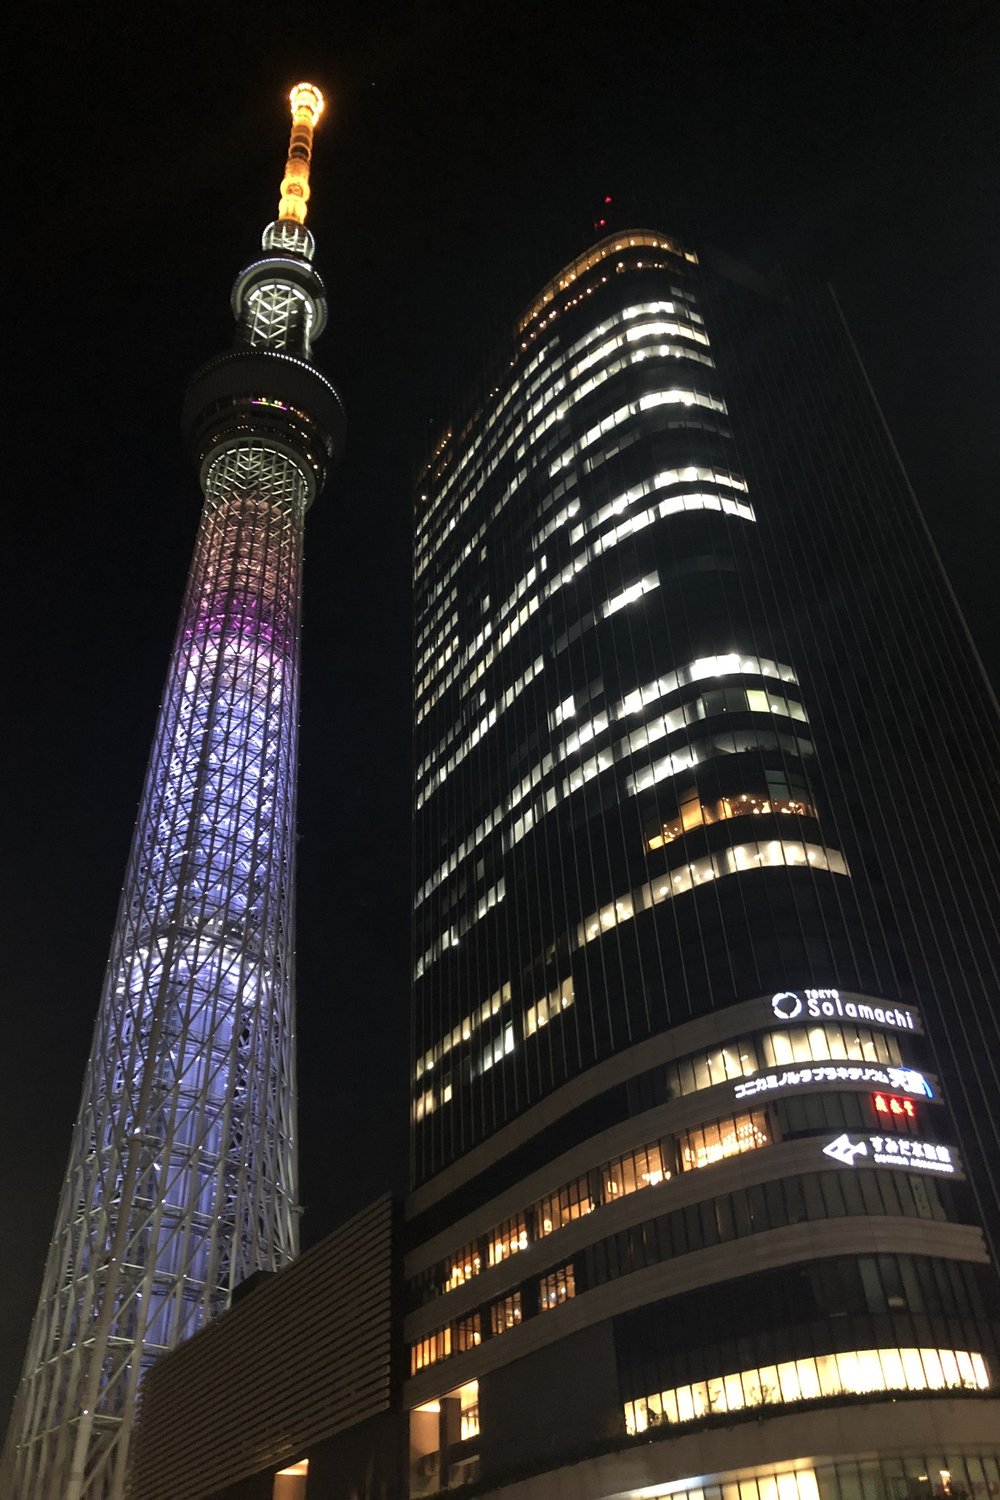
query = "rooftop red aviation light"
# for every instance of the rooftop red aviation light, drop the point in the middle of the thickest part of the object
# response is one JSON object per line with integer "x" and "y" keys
{"x": 601, "y": 221}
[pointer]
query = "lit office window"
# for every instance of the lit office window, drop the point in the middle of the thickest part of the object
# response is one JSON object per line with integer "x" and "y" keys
{"x": 593, "y": 257}
{"x": 630, "y": 595}
{"x": 464, "y": 1031}
{"x": 453, "y": 936}
{"x": 736, "y": 860}
{"x": 424, "y": 1104}
{"x": 705, "y": 667}
{"x": 731, "y": 742}
{"x": 550, "y": 1005}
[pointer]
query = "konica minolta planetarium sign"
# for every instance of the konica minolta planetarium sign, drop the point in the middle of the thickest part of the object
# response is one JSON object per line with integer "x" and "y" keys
{"x": 831, "y": 1005}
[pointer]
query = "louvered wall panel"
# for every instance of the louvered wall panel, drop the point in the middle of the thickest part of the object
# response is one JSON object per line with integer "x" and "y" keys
{"x": 303, "y": 1357}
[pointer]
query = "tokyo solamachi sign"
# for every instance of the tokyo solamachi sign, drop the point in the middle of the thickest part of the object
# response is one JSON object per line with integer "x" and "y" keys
{"x": 831, "y": 1005}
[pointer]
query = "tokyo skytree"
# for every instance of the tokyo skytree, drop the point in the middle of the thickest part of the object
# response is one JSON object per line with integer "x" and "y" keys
{"x": 182, "y": 1177}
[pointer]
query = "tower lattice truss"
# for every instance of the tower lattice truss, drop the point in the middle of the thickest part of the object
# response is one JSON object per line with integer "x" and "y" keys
{"x": 182, "y": 1173}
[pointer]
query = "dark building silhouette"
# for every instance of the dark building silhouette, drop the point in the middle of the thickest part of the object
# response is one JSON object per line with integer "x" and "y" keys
{"x": 704, "y": 1122}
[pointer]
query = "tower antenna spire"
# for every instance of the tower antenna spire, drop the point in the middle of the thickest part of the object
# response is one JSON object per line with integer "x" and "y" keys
{"x": 307, "y": 105}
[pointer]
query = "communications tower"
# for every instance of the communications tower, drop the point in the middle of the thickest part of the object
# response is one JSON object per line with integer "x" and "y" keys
{"x": 182, "y": 1173}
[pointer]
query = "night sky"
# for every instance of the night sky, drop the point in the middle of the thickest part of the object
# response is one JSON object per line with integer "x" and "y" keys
{"x": 459, "y": 165}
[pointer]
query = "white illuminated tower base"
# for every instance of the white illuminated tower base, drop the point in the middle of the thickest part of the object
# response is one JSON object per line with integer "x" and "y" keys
{"x": 182, "y": 1174}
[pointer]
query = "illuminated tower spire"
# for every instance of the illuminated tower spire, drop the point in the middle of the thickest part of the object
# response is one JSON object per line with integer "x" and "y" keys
{"x": 307, "y": 106}
{"x": 182, "y": 1172}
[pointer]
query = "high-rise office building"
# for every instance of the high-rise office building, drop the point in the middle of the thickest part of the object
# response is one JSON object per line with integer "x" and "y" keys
{"x": 706, "y": 1040}
{"x": 182, "y": 1173}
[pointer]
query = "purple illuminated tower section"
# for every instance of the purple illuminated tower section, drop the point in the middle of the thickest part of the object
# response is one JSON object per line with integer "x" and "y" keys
{"x": 182, "y": 1173}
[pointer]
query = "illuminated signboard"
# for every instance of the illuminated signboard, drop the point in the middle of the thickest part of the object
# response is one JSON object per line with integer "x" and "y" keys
{"x": 900, "y": 1080}
{"x": 818, "y": 1005}
{"x": 892, "y": 1151}
{"x": 891, "y": 1104}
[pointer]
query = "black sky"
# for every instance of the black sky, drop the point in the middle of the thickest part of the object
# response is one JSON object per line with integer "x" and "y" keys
{"x": 457, "y": 168}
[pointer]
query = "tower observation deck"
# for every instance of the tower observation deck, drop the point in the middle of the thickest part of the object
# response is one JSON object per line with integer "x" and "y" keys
{"x": 182, "y": 1177}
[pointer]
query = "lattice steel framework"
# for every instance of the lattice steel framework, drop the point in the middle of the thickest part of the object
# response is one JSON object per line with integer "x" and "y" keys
{"x": 182, "y": 1172}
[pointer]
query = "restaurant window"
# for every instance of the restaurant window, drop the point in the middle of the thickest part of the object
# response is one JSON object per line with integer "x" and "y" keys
{"x": 853, "y": 1372}
{"x": 461, "y": 1267}
{"x": 558, "y": 1286}
{"x": 506, "y": 1313}
{"x": 507, "y": 1239}
{"x": 429, "y": 1350}
{"x": 634, "y": 1171}
{"x": 467, "y": 1333}
{"x": 706, "y": 1144}
{"x": 570, "y": 1202}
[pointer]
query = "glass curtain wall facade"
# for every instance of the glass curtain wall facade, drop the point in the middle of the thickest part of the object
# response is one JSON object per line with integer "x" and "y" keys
{"x": 705, "y": 1050}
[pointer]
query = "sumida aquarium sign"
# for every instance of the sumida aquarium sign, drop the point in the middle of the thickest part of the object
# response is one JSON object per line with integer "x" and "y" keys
{"x": 892, "y": 1151}
{"x": 832, "y": 1005}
